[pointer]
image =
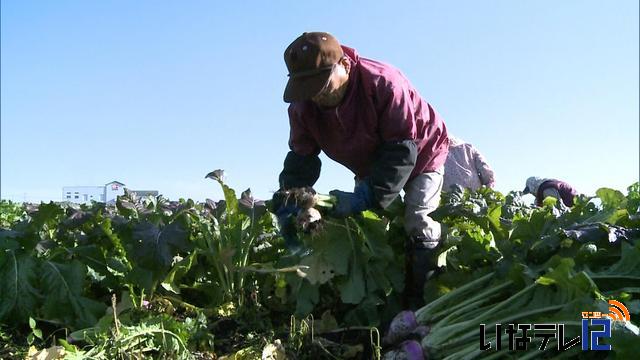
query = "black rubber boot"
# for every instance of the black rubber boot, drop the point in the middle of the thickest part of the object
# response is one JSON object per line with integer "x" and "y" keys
{"x": 422, "y": 264}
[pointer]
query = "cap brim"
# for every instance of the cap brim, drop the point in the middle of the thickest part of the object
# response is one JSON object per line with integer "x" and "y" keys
{"x": 304, "y": 88}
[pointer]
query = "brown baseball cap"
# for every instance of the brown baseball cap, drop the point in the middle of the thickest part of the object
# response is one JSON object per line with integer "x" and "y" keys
{"x": 310, "y": 59}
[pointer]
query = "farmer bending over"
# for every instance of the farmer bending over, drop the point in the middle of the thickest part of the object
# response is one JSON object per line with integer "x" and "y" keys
{"x": 465, "y": 166}
{"x": 541, "y": 188}
{"x": 366, "y": 115}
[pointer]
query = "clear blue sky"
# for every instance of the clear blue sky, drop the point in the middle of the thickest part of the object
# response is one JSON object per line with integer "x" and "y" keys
{"x": 156, "y": 94}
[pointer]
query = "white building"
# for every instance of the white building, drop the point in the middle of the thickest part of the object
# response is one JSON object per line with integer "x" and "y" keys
{"x": 83, "y": 194}
{"x": 107, "y": 193}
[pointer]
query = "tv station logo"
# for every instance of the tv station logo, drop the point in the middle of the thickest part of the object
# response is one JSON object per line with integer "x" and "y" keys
{"x": 595, "y": 326}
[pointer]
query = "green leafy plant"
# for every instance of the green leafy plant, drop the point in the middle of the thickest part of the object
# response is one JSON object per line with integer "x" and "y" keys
{"x": 35, "y": 332}
{"x": 231, "y": 238}
{"x": 10, "y": 213}
{"x": 344, "y": 265}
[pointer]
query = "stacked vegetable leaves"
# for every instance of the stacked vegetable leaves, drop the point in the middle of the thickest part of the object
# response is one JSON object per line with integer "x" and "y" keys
{"x": 511, "y": 263}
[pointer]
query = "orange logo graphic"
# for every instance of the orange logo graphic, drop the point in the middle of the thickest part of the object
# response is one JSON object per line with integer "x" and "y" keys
{"x": 618, "y": 311}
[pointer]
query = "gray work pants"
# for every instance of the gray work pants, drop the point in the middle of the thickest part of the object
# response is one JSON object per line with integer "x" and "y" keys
{"x": 422, "y": 196}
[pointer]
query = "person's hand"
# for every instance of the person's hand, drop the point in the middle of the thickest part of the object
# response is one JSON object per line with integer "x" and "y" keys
{"x": 349, "y": 203}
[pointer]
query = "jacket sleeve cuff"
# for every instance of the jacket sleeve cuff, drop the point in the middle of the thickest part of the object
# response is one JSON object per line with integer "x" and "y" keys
{"x": 299, "y": 170}
{"x": 392, "y": 167}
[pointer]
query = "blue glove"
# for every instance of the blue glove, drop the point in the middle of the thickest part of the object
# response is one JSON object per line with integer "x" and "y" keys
{"x": 349, "y": 203}
{"x": 287, "y": 222}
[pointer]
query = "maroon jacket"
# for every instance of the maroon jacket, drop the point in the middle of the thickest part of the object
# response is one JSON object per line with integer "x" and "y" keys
{"x": 380, "y": 105}
{"x": 566, "y": 191}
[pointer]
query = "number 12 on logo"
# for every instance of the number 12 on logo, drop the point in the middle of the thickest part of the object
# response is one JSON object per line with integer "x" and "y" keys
{"x": 590, "y": 337}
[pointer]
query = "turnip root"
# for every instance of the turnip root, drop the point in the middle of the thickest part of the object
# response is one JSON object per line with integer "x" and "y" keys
{"x": 402, "y": 325}
{"x": 309, "y": 220}
{"x": 408, "y": 350}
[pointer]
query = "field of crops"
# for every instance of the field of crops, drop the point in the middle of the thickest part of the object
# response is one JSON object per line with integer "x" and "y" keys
{"x": 152, "y": 278}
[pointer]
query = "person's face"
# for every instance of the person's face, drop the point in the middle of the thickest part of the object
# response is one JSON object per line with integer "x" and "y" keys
{"x": 332, "y": 93}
